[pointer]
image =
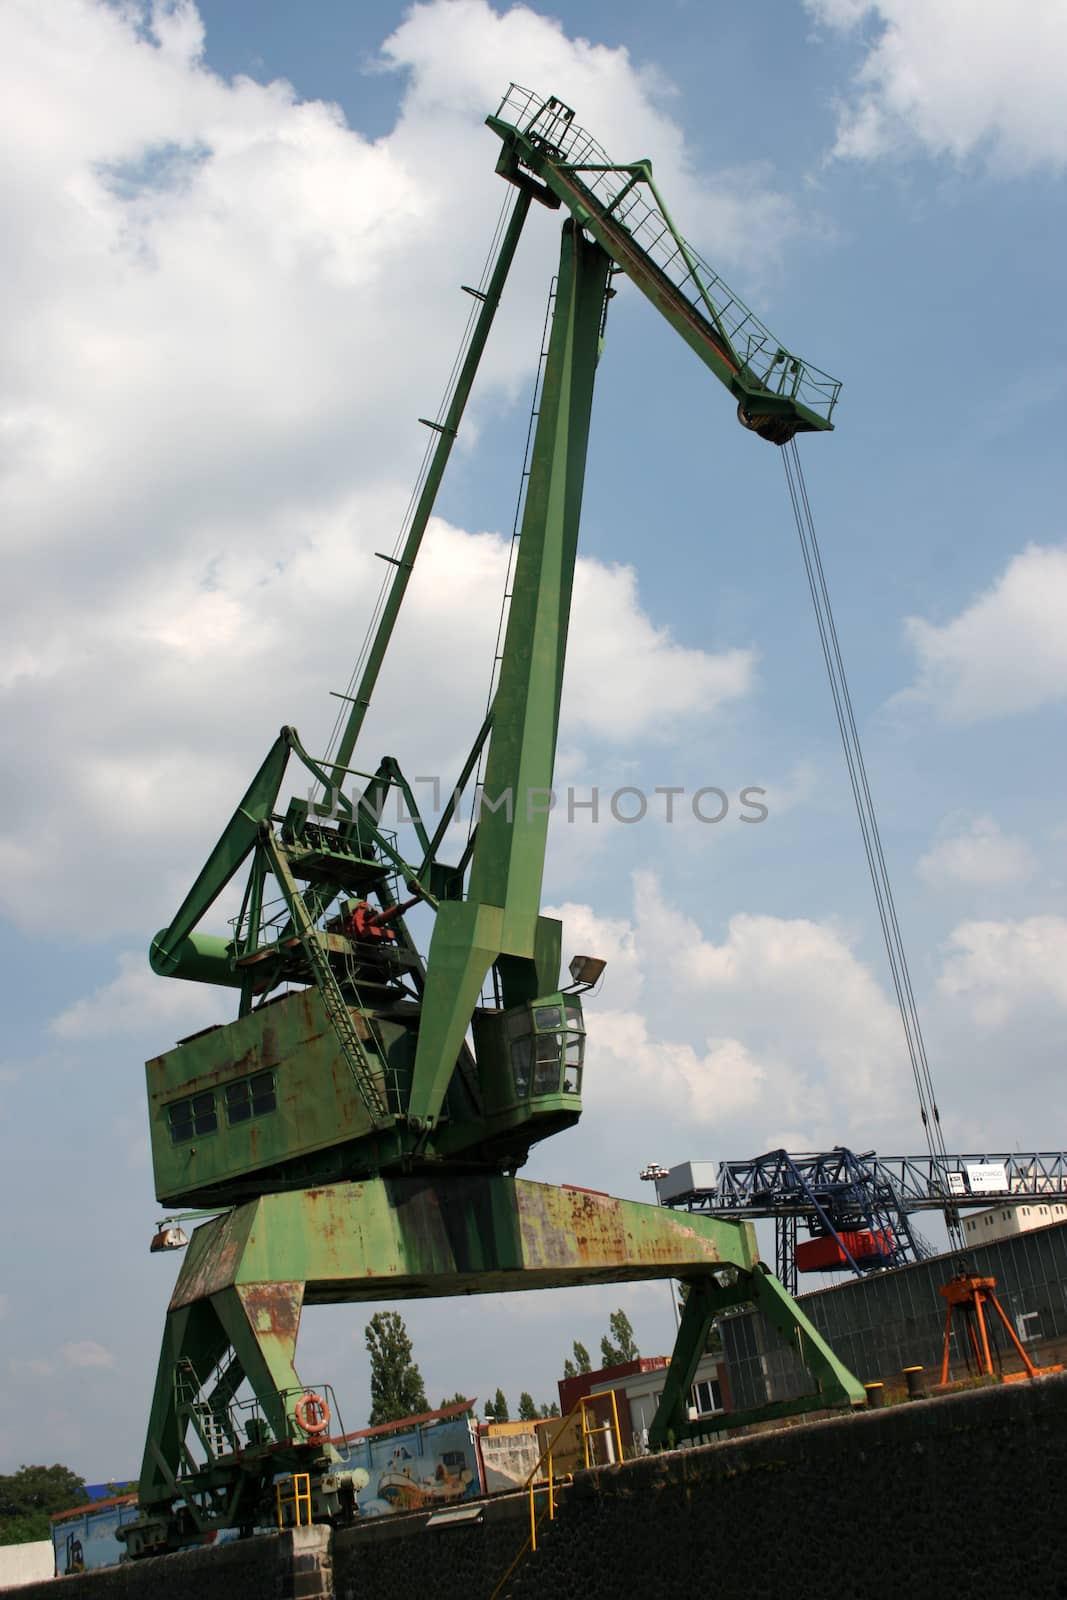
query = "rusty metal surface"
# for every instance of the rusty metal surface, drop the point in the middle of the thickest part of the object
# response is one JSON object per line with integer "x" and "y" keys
{"x": 273, "y": 1309}
{"x": 214, "y": 1256}
{"x": 317, "y": 1104}
{"x": 407, "y": 1238}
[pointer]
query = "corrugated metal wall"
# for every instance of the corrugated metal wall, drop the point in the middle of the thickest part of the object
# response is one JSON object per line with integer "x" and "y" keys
{"x": 890, "y": 1320}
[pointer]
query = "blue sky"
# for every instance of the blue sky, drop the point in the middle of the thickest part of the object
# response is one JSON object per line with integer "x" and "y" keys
{"x": 235, "y": 240}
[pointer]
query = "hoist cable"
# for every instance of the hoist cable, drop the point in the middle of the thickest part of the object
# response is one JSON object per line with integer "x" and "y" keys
{"x": 869, "y": 830}
{"x": 869, "y": 800}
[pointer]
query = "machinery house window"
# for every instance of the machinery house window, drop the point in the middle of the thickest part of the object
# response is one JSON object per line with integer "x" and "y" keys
{"x": 250, "y": 1097}
{"x": 192, "y": 1117}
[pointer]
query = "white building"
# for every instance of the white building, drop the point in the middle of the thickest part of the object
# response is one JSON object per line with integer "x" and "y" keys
{"x": 1001, "y": 1222}
{"x": 643, "y": 1391}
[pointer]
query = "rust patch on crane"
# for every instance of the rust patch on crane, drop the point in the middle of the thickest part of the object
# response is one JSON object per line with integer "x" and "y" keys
{"x": 273, "y": 1309}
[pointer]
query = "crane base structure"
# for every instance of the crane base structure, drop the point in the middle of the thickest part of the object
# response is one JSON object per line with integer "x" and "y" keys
{"x": 234, "y": 1317}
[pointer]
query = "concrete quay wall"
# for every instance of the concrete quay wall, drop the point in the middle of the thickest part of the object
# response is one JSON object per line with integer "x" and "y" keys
{"x": 923, "y": 1499}
{"x": 278, "y": 1566}
{"x": 959, "y": 1493}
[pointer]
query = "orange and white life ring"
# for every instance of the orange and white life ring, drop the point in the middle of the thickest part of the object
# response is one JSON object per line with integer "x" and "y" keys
{"x": 312, "y": 1415}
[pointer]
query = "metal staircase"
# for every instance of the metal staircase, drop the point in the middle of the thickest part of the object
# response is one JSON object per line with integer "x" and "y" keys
{"x": 337, "y": 1009}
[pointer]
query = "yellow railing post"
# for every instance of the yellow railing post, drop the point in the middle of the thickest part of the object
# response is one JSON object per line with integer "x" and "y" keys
{"x": 615, "y": 1417}
{"x": 530, "y": 1486}
{"x": 299, "y": 1497}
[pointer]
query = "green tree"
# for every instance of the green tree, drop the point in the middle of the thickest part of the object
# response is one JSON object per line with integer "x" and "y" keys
{"x": 30, "y": 1496}
{"x": 500, "y": 1407}
{"x": 549, "y": 1410}
{"x": 619, "y": 1347}
{"x": 396, "y": 1388}
{"x": 569, "y": 1369}
{"x": 456, "y": 1400}
{"x": 581, "y": 1357}
{"x": 527, "y": 1409}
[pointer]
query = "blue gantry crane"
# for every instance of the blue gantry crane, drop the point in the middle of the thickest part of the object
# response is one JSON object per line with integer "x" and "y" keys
{"x": 857, "y": 1209}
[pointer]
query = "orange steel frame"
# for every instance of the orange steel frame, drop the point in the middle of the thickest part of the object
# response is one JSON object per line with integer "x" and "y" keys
{"x": 969, "y": 1295}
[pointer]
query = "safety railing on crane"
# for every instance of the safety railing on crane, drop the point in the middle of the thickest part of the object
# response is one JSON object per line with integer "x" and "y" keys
{"x": 625, "y": 197}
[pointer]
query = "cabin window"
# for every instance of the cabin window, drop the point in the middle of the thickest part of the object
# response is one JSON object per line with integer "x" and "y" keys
{"x": 547, "y": 1050}
{"x": 546, "y": 1063}
{"x": 520, "y": 1066}
{"x": 192, "y": 1118}
{"x": 250, "y": 1097}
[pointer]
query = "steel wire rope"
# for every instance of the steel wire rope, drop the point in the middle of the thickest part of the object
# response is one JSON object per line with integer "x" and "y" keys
{"x": 883, "y": 868}
{"x": 405, "y": 522}
{"x": 869, "y": 830}
{"x": 847, "y": 730}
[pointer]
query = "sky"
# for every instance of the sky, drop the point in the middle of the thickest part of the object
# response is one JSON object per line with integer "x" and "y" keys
{"x": 235, "y": 236}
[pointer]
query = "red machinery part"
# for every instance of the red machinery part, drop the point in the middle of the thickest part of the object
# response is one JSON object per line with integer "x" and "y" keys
{"x": 826, "y": 1255}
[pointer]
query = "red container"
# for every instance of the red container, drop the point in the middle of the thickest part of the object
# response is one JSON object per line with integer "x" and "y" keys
{"x": 826, "y": 1255}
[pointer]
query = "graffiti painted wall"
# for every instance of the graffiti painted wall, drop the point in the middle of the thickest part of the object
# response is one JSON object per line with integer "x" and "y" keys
{"x": 417, "y": 1468}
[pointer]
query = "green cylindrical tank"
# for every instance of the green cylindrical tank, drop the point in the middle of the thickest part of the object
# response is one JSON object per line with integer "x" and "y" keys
{"x": 203, "y": 957}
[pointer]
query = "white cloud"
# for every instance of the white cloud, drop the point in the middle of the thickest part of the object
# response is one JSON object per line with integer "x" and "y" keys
{"x": 461, "y": 55}
{"x": 612, "y": 939}
{"x": 627, "y": 677}
{"x": 1007, "y": 651}
{"x": 793, "y": 1028}
{"x": 221, "y": 311}
{"x": 32, "y": 1367}
{"x": 627, "y": 1060}
{"x": 1001, "y": 968}
{"x": 137, "y": 1000}
{"x": 956, "y": 79}
{"x": 87, "y": 1353}
{"x": 979, "y": 854}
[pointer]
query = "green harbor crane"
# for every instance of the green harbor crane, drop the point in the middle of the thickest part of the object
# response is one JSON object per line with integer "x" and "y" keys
{"x": 359, "y": 1125}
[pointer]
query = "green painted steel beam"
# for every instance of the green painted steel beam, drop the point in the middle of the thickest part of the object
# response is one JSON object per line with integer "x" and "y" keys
{"x": 782, "y": 1312}
{"x": 412, "y": 1238}
{"x": 238, "y": 840}
{"x": 568, "y": 163}
{"x": 500, "y": 917}
{"x": 508, "y": 862}
{"x": 833, "y": 1384}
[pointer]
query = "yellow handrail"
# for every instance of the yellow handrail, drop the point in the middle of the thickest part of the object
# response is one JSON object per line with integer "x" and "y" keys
{"x": 530, "y": 1485}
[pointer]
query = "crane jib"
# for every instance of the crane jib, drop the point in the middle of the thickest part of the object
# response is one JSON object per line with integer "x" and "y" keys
{"x": 546, "y": 155}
